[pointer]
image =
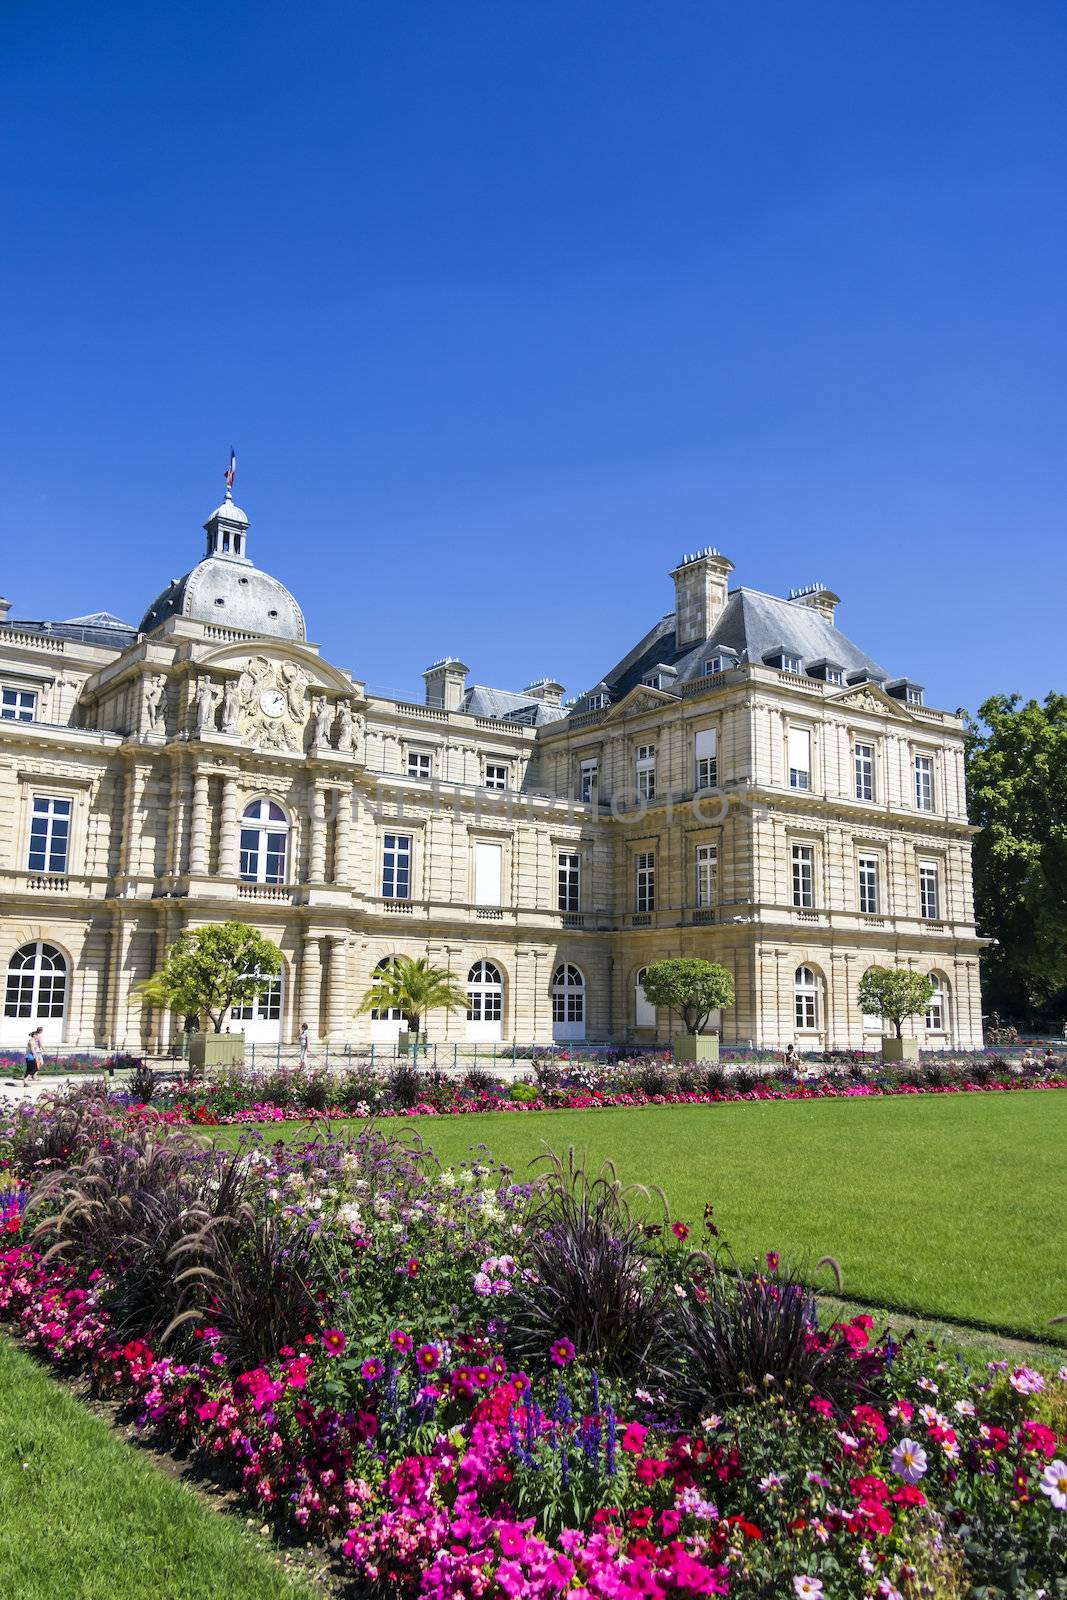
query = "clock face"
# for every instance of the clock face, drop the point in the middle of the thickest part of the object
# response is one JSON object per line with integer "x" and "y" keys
{"x": 272, "y": 702}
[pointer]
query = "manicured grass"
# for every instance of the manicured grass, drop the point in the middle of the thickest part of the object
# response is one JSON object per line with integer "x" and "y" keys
{"x": 950, "y": 1206}
{"x": 85, "y": 1517}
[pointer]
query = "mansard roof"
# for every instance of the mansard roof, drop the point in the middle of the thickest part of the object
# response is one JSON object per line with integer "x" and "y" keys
{"x": 99, "y": 628}
{"x": 752, "y": 624}
{"x": 507, "y": 706}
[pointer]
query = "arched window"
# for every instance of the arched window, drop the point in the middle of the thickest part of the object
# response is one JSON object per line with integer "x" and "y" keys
{"x": 485, "y": 993}
{"x": 937, "y": 1009}
{"x": 644, "y": 1010}
{"x": 390, "y": 1013}
{"x": 260, "y": 1019}
{"x": 36, "y": 983}
{"x": 568, "y": 1002}
{"x": 806, "y": 1000}
{"x": 264, "y": 842}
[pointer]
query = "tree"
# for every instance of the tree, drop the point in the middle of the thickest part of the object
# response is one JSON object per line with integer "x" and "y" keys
{"x": 1017, "y": 794}
{"x": 894, "y": 994}
{"x": 413, "y": 988}
{"x": 689, "y": 987}
{"x": 211, "y": 969}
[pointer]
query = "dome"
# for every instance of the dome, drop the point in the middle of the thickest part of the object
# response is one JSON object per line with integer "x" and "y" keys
{"x": 234, "y": 594}
{"x": 227, "y": 589}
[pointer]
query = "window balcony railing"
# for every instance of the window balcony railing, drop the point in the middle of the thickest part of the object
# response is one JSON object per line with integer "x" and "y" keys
{"x": 48, "y": 882}
{"x": 573, "y": 919}
{"x": 265, "y": 891}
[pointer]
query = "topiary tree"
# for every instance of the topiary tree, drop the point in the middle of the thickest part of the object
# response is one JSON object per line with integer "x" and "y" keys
{"x": 689, "y": 987}
{"x": 209, "y": 970}
{"x": 413, "y": 987}
{"x": 894, "y": 994}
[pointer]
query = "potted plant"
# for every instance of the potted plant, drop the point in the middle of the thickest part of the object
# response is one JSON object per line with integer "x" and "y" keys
{"x": 895, "y": 994}
{"x": 208, "y": 971}
{"x": 692, "y": 989}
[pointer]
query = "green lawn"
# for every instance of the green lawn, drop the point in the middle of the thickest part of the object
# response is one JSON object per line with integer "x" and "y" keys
{"x": 951, "y": 1206}
{"x": 86, "y": 1517}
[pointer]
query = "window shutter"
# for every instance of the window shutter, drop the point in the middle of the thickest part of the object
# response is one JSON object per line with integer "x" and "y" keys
{"x": 800, "y": 749}
{"x": 707, "y": 743}
{"x": 487, "y": 874}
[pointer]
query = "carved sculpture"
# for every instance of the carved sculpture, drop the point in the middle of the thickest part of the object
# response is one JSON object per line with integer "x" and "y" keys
{"x": 345, "y": 732}
{"x": 155, "y": 688}
{"x": 205, "y": 705}
{"x": 231, "y": 707}
{"x": 321, "y": 734}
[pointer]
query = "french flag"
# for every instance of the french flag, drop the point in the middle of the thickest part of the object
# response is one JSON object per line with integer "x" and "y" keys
{"x": 231, "y": 469}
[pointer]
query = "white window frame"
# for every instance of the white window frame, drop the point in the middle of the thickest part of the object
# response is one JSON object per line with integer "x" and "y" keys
{"x": 588, "y": 779}
{"x": 791, "y": 663}
{"x": 935, "y": 1011}
{"x": 17, "y": 705}
{"x": 798, "y": 749}
{"x": 568, "y": 1001}
{"x": 863, "y": 762}
{"x": 834, "y": 675}
{"x": 707, "y": 874}
{"x": 806, "y": 1000}
{"x": 488, "y": 872}
{"x": 644, "y": 1010}
{"x": 803, "y": 863}
{"x": 485, "y": 993}
{"x": 34, "y": 993}
{"x": 714, "y": 665}
{"x": 868, "y": 884}
{"x": 929, "y": 898}
{"x": 51, "y": 821}
{"x": 596, "y": 702}
{"x": 496, "y": 775}
{"x": 252, "y": 859}
{"x": 569, "y": 880}
{"x": 924, "y": 782}
{"x": 398, "y": 859}
{"x": 706, "y": 757}
{"x": 645, "y": 881}
{"x": 913, "y": 695}
{"x": 645, "y": 771}
{"x": 419, "y": 765}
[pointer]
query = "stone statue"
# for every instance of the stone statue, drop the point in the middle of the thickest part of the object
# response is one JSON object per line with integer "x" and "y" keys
{"x": 296, "y": 682}
{"x": 205, "y": 705}
{"x": 322, "y": 721}
{"x": 155, "y": 688}
{"x": 344, "y": 725}
{"x": 231, "y": 706}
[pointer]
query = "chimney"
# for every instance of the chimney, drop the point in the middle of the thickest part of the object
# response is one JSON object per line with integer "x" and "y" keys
{"x": 818, "y": 598}
{"x": 445, "y": 681}
{"x": 547, "y": 690}
{"x": 5, "y": 607}
{"x": 700, "y": 588}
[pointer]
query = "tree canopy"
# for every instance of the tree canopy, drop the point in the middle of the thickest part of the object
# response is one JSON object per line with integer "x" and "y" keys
{"x": 208, "y": 970}
{"x": 413, "y": 987}
{"x": 689, "y": 987}
{"x": 894, "y": 994}
{"x": 1017, "y": 794}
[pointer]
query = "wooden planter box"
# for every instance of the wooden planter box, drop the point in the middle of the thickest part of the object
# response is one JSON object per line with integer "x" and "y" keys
{"x": 215, "y": 1050}
{"x": 696, "y": 1047}
{"x": 900, "y": 1049}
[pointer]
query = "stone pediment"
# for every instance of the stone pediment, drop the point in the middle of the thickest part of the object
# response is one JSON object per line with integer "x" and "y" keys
{"x": 236, "y": 655}
{"x": 870, "y": 697}
{"x": 279, "y": 697}
{"x": 641, "y": 698}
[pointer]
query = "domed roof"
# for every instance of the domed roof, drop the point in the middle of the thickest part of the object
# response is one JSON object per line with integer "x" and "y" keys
{"x": 225, "y": 587}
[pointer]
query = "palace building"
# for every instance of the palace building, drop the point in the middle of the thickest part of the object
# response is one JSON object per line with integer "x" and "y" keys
{"x": 745, "y": 785}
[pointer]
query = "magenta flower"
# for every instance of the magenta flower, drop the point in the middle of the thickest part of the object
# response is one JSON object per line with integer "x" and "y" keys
{"x": 400, "y": 1340}
{"x": 562, "y": 1353}
{"x": 335, "y": 1341}
{"x": 372, "y": 1369}
{"x": 773, "y": 1260}
{"x": 427, "y": 1357}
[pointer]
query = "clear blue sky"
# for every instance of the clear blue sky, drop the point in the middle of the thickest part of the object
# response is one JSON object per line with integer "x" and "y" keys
{"x": 505, "y": 306}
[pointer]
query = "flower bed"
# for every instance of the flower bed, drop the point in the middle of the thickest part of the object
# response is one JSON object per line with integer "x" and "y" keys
{"x": 475, "y": 1388}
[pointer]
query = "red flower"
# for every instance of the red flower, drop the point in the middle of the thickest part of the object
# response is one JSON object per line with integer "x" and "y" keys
{"x": 412, "y": 1268}
{"x": 633, "y": 1439}
{"x": 679, "y": 1230}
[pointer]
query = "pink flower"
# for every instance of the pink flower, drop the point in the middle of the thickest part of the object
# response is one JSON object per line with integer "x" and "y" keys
{"x": 335, "y": 1341}
{"x": 773, "y": 1260}
{"x": 679, "y": 1230}
{"x": 562, "y": 1353}
{"x": 633, "y": 1439}
{"x": 400, "y": 1340}
{"x": 427, "y": 1357}
{"x": 372, "y": 1369}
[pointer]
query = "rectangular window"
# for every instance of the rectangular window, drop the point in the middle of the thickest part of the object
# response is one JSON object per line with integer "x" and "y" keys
{"x": 707, "y": 758}
{"x": 707, "y": 874}
{"x": 929, "y": 896}
{"x": 804, "y": 875}
{"x": 18, "y": 705}
{"x": 420, "y": 764}
{"x": 570, "y": 880}
{"x": 587, "y": 782}
{"x": 396, "y": 866}
{"x": 935, "y": 1011}
{"x": 868, "y": 885}
{"x": 864, "y": 771}
{"x": 488, "y": 859}
{"x": 799, "y": 758}
{"x": 49, "y": 834}
{"x": 924, "y": 783}
{"x": 915, "y": 696}
{"x": 596, "y": 702}
{"x": 833, "y": 675}
{"x": 715, "y": 664}
{"x": 790, "y": 663}
{"x": 645, "y": 766}
{"x": 806, "y": 1009}
{"x": 496, "y": 775}
{"x": 645, "y": 881}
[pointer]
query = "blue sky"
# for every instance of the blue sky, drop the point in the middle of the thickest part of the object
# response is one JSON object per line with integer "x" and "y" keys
{"x": 506, "y": 306}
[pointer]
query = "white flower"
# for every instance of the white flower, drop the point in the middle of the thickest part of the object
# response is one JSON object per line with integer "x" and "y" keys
{"x": 965, "y": 1408}
{"x": 771, "y": 1481}
{"x": 806, "y": 1588}
{"x": 1054, "y": 1484}
{"x": 909, "y": 1460}
{"x": 865, "y": 1563}
{"x": 928, "y": 1384}
{"x": 1027, "y": 1381}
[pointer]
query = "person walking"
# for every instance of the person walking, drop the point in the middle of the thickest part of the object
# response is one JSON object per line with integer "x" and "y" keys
{"x": 34, "y": 1054}
{"x": 302, "y": 1039}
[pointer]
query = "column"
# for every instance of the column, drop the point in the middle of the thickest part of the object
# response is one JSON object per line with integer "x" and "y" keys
{"x": 342, "y": 841}
{"x": 198, "y": 833}
{"x": 228, "y": 829}
{"x": 131, "y": 833}
{"x": 337, "y": 1009}
{"x": 317, "y": 849}
{"x": 310, "y": 985}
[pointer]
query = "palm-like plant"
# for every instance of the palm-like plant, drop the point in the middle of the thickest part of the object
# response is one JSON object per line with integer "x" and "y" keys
{"x": 413, "y": 987}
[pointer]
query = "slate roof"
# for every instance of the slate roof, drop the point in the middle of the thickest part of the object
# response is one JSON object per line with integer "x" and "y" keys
{"x": 752, "y": 624}
{"x": 99, "y": 628}
{"x": 507, "y": 706}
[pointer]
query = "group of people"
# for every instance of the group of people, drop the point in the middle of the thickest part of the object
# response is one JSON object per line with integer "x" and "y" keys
{"x": 1031, "y": 1061}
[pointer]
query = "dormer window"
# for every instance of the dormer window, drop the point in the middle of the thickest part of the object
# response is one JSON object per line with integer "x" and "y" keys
{"x": 790, "y": 663}
{"x": 652, "y": 680}
{"x": 834, "y": 675}
{"x": 596, "y": 701}
{"x": 716, "y": 664}
{"x": 915, "y": 695}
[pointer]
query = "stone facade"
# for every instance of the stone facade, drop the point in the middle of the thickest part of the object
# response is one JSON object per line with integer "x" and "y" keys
{"x": 160, "y": 778}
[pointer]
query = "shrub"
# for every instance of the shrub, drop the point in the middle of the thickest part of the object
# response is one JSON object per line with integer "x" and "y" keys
{"x": 142, "y": 1083}
{"x": 652, "y": 1078}
{"x": 404, "y": 1084}
{"x": 713, "y": 1079}
{"x": 523, "y": 1093}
